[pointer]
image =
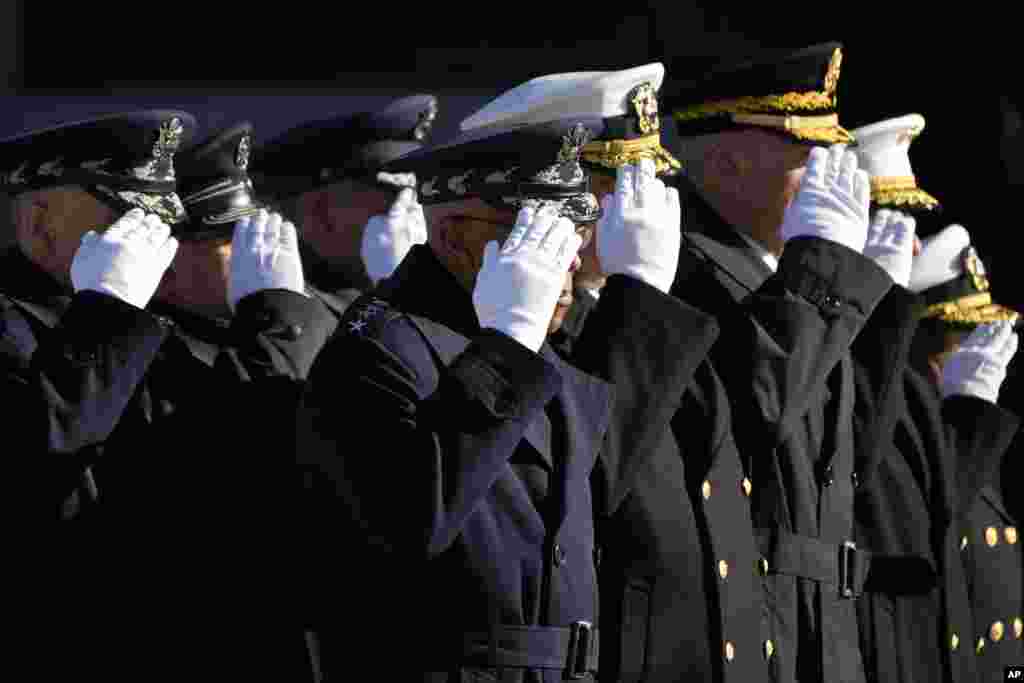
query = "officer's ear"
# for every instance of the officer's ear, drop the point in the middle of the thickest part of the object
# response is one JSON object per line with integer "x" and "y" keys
{"x": 34, "y": 225}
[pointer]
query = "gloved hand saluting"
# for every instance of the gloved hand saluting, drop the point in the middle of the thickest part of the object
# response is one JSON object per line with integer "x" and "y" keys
{"x": 264, "y": 255}
{"x": 520, "y": 282}
{"x": 640, "y": 229}
{"x": 387, "y": 239}
{"x": 833, "y": 200}
{"x": 978, "y": 367}
{"x": 127, "y": 260}
{"x": 891, "y": 244}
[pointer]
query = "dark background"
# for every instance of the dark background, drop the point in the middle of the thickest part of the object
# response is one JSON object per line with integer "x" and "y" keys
{"x": 279, "y": 64}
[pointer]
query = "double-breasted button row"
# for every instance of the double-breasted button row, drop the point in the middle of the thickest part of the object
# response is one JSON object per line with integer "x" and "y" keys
{"x": 746, "y": 486}
{"x": 992, "y": 536}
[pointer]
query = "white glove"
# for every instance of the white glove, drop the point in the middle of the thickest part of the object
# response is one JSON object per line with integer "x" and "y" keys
{"x": 387, "y": 239}
{"x": 833, "y": 200}
{"x": 127, "y": 261}
{"x": 520, "y": 282}
{"x": 891, "y": 244}
{"x": 978, "y": 367}
{"x": 264, "y": 255}
{"x": 640, "y": 229}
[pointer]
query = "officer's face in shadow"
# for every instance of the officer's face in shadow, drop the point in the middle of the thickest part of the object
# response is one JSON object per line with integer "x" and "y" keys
{"x": 198, "y": 278}
{"x": 590, "y": 274}
{"x": 750, "y": 176}
{"x": 459, "y": 233}
{"x": 332, "y": 220}
{"x": 49, "y": 225}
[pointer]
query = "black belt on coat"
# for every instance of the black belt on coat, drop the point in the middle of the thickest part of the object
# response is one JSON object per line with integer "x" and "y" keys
{"x": 851, "y": 569}
{"x": 572, "y": 650}
{"x": 842, "y": 565}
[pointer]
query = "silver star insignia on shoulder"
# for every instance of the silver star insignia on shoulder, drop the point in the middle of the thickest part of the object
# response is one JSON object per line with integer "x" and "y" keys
{"x": 357, "y": 326}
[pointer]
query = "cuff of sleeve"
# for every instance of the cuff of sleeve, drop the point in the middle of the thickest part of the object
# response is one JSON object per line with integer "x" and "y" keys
{"x": 275, "y": 312}
{"x": 509, "y": 380}
{"x": 832, "y": 276}
{"x": 96, "y": 319}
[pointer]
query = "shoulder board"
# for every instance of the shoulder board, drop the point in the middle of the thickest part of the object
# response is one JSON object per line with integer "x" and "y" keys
{"x": 367, "y": 316}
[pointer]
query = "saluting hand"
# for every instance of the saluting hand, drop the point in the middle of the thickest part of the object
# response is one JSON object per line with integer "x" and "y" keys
{"x": 978, "y": 367}
{"x": 387, "y": 239}
{"x": 890, "y": 244}
{"x": 264, "y": 255}
{"x": 640, "y": 228}
{"x": 833, "y": 200}
{"x": 127, "y": 260}
{"x": 520, "y": 282}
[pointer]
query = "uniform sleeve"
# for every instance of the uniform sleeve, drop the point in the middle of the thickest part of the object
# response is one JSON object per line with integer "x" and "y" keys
{"x": 403, "y": 447}
{"x": 65, "y": 392}
{"x": 279, "y": 334}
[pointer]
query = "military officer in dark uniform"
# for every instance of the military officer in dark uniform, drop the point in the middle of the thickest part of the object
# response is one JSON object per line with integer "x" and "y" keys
{"x": 356, "y": 223}
{"x": 678, "y": 572}
{"x": 967, "y": 368}
{"x": 158, "y": 522}
{"x": 491, "y": 506}
{"x": 773, "y": 242}
{"x": 924, "y": 457}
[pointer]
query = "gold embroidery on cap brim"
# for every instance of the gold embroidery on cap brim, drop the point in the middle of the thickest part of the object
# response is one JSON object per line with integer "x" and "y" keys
{"x": 618, "y": 153}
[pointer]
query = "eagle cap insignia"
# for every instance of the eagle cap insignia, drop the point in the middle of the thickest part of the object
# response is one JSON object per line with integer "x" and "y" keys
{"x": 242, "y": 153}
{"x": 168, "y": 139}
{"x": 645, "y": 107}
{"x": 975, "y": 269}
{"x": 572, "y": 143}
{"x": 832, "y": 75}
{"x": 425, "y": 121}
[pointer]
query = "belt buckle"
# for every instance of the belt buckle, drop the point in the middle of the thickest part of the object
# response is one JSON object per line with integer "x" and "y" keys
{"x": 847, "y": 570}
{"x": 580, "y": 641}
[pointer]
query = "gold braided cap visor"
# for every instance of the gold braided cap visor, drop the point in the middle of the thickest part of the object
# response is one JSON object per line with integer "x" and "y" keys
{"x": 900, "y": 192}
{"x": 817, "y": 128}
{"x": 971, "y": 310}
{"x": 618, "y": 153}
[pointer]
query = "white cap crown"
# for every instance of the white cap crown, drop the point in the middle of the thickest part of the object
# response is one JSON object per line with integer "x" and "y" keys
{"x": 941, "y": 259}
{"x": 883, "y": 148}
{"x": 593, "y": 94}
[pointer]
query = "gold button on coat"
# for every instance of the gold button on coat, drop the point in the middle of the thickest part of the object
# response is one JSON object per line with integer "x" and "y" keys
{"x": 954, "y": 642}
{"x": 730, "y": 651}
{"x": 706, "y": 489}
{"x": 991, "y": 536}
{"x": 963, "y": 543}
{"x": 723, "y": 568}
{"x": 995, "y": 633}
{"x": 980, "y": 646}
{"x": 762, "y": 566}
{"x": 748, "y": 487}
{"x": 1011, "y": 534}
{"x": 1018, "y": 627}
{"x": 769, "y": 649}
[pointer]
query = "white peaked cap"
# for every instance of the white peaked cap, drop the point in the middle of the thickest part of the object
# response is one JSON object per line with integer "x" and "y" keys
{"x": 940, "y": 259}
{"x": 883, "y": 148}
{"x": 593, "y": 94}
